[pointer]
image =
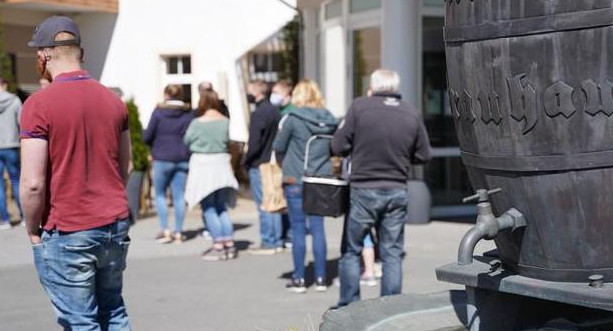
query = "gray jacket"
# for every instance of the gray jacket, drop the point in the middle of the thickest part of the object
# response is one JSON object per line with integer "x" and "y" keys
{"x": 295, "y": 129}
{"x": 10, "y": 111}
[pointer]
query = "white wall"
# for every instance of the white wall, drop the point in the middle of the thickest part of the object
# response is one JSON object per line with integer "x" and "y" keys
{"x": 215, "y": 32}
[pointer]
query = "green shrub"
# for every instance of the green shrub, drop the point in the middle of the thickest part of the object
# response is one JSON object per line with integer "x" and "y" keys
{"x": 140, "y": 151}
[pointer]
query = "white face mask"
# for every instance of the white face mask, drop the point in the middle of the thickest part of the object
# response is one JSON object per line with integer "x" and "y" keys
{"x": 277, "y": 99}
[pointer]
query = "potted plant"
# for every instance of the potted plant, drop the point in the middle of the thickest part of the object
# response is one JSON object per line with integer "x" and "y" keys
{"x": 140, "y": 160}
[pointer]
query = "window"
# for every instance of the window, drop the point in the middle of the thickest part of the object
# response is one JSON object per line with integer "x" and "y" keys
{"x": 178, "y": 65}
{"x": 433, "y": 3}
{"x": 334, "y": 9}
{"x": 357, "y": 6}
{"x": 267, "y": 62}
{"x": 187, "y": 93}
{"x": 177, "y": 70}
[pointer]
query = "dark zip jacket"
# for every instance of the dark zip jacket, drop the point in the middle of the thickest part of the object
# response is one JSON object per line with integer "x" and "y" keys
{"x": 384, "y": 136}
{"x": 262, "y": 131}
{"x": 165, "y": 132}
{"x": 295, "y": 129}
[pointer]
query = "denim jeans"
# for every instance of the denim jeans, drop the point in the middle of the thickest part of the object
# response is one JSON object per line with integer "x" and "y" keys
{"x": 215, "y": 209}
{"x": 9, "y": 159}
{"x": 293, "y": 194}
{"x": 270, "y": 223}
{"x": 386, "y": 210}
{"x": 175, "y": 175}
{"x": 82, "y": 274}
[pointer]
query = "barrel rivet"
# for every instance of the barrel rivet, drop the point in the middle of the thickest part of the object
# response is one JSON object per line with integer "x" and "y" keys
{"x": 596, "y": 281}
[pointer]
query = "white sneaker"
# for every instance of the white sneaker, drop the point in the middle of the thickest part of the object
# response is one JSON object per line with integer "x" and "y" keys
{"x": 5, "y": 225}
{"x": 22, "y": 223}
{"x": 368, "y": 281}
{"x": 206, "y": 235}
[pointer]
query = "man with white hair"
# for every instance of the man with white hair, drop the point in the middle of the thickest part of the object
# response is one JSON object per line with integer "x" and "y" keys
{"x": 208, "y": 86}
{"x": 384, "y": 136}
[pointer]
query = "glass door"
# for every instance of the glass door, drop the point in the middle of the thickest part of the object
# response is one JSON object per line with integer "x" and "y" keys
{"x": 366, "y": 58}
{"x": 445, "y": 174}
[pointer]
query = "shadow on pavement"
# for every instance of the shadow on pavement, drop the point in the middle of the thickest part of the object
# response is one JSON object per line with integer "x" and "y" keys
{"x": 458, "y": 300}
{"x": 309, "y": 272}
{"x": 193, "y": 234}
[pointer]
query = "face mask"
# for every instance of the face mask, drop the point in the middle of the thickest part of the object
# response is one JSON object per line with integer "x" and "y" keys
{"x": 250, "y": 98}
{"x": 277, "y": 99}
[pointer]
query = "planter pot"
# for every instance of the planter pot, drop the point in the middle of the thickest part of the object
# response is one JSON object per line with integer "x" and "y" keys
{"x": 134, "y": 191}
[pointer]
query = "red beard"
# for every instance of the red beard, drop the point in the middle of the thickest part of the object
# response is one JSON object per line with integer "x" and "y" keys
{"x": 41, "y": 67}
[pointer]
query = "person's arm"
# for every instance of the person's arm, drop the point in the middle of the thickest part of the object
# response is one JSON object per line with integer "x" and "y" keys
{"x": 19, "y": 107}
{"x": 422, "y": 152}
{"x": 286, "y": 126}
{"x": 149, "y": 133}
{"x": 342, "y": 143}
{"x": 33, "y": 185}
{"x": 255, "y": 144}
{"x": 125, "y": 156}
{"x": 189, "y": 136}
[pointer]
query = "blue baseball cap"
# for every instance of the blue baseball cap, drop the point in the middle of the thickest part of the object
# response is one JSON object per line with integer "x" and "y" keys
{"x": 44, "y": 35}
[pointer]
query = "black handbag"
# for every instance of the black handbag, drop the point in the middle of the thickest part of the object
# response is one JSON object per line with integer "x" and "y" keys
{"x": 323, "y": 195}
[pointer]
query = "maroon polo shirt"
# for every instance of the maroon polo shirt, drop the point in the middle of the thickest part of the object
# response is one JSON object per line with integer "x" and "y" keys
{"x": 82, "y": 121}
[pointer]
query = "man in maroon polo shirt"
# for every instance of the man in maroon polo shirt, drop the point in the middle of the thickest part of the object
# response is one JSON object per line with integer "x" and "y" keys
{"x": 76, "y": 152}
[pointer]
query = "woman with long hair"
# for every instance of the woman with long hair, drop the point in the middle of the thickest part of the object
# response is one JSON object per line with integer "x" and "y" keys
{"x": 211, "y": 182}
{"x": 170, "y": 156}
{"x": 309, "y": 118}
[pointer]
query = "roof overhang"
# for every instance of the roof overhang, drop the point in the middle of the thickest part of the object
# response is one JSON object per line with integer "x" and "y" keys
{"x": 65, "y": 6}
{"x": 304, "y": 4}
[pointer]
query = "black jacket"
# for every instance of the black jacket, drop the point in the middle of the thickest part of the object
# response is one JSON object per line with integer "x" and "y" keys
{"x": 384, "y": 136}
{"x": 262, "y": 131}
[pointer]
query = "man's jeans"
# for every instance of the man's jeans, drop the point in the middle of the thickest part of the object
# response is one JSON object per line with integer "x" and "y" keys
{"x": 270, "y": 223}
{"x": 9, "y": 160}
{"x": 386, "y": 210}
{"x": 175, "y": 175}
{"x": 82, "y": 273}
{"x": 293, "y": 194}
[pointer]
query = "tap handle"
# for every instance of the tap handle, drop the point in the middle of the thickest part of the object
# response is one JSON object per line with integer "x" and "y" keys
{"x": 481, "y": 195}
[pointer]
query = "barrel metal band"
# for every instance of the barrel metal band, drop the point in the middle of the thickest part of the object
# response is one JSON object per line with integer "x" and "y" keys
{"x": 580, "y": 161}
{"x": 530, "y": 26}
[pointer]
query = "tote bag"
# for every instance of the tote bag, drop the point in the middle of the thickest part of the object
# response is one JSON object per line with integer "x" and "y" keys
{"x": 273, "y": 200}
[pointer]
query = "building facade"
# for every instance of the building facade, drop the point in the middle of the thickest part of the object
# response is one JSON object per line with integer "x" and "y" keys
{"x": 346, "y": 40}
{"x": 141, "y": 46}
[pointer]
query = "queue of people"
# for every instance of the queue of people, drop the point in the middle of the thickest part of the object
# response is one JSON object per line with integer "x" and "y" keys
{"x": 84, "y": 122}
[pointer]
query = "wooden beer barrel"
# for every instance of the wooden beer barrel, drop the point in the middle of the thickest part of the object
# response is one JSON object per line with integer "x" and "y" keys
{"x": 531, "y": 90}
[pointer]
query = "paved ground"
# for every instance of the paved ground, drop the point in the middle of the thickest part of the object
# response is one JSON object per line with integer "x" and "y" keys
{"x": 167, "y": 287}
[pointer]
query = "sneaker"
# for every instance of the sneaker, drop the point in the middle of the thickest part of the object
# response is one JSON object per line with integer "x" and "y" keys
{"x": 279, "y": 250}
{"x": 296, "y": 286}
{"x": 213, "y": 255}
{"x": 231, "y": 252}
{"x": 178, "y": 237}
{"x": 368, "y": 281}
{"x": 287, "y": 245}
{"x": 22, "y": 223}
{"x": 5, "y": 225}
{"x": 263, "y": 251}
{"x": 206, "y": 235}
{"x": 378, "y": 270}
{"x": 320, "y": 285}
{"x": 164, "y": 237}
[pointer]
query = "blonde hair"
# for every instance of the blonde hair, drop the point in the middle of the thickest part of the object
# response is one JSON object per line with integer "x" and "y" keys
{"x": 307, "y": 94}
